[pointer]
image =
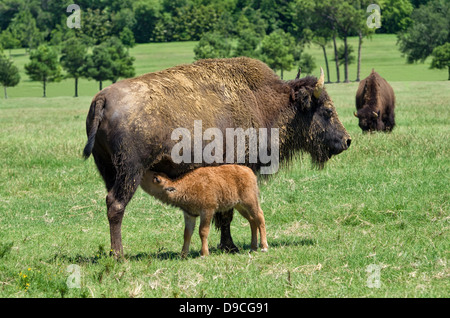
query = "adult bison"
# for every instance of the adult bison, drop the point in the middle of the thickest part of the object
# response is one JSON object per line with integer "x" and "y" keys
{"x": 375, "y": 103}
{"x": 130, "y": 123}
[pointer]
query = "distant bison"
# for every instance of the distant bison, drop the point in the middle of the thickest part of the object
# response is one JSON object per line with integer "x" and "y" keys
{"x": 208, "y": 190}
{"x": 375, "y": 103}
{"x": 130, "y": 124}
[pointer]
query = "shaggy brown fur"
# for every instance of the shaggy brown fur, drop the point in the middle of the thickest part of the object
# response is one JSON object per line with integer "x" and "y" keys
{"x": 205, "y": 191}
{"x": 129, "y": 124}
{"x": 375, "y": 103}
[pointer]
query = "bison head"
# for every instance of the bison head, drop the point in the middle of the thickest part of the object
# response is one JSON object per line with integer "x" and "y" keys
{"x": 320, "y": 130}
{"x": 369, "y": 120}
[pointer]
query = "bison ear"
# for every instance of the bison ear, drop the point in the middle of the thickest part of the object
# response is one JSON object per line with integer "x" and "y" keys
{"x": 301, "y": 99}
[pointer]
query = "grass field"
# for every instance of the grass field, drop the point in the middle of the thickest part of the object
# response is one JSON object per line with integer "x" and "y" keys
{"x": 382, "y": 204}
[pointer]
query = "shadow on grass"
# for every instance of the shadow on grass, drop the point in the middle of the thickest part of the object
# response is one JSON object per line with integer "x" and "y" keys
{"x": 162, "y": 254}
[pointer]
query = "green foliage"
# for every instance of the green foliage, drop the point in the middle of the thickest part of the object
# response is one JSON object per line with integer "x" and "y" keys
{"x": 23, "y": 28}
{"x": 9, "y": 73}
{"x": 307, "y": 63}
{"x": 430, "y": 28}
{"x": 109, "y": 61}
{"x": 73, "y": 59}
{"x": 8, "y": 40}
{"x": 441, "y": 57}
{"x": 277, "y": 50}
{"x": 44, "y": 66}
{"x": 341, "y": 55}
{"x": 212, "y": 45}
{"x": 99, "y": 65}
{"x": 395, "y": 15}
{"x": 127, "y": 38}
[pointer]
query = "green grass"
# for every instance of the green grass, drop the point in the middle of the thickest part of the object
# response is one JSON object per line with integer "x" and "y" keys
{"x": 385, "y": 201}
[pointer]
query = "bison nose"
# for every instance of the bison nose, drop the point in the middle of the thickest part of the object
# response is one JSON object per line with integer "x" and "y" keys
{"x": 349, "y": 141}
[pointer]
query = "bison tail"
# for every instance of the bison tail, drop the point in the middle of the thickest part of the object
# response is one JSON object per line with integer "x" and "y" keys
{"x": 93, "y": 121}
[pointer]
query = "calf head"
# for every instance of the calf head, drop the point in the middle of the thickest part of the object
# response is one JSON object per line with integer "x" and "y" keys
{"x": 320, "y": 130}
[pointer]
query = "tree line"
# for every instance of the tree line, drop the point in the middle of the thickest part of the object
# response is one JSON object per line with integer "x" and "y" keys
{"x": 275, "y": 31}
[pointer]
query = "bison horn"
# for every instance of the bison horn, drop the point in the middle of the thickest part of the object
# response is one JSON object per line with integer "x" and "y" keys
{"x": 355, "y": 114}
{"x": 375, "y": 114}
{"x": 299, "y": 72}
{"x": 320, "y": 83}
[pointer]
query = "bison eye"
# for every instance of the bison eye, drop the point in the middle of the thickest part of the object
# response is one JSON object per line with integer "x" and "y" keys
{"x": 328, "y": 112}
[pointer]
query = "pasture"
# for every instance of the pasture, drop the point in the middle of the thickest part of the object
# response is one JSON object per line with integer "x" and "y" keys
{"x": 373, "y": 223}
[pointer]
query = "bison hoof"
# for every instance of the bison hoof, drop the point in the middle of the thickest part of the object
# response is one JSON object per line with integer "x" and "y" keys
{"x": 228, "y": 248}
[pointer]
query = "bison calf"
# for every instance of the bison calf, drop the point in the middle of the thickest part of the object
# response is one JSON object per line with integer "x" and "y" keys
{"x": 207, "y": 190}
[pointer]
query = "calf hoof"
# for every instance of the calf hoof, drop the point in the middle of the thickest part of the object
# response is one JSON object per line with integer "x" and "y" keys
{"x": 265, "y": 249}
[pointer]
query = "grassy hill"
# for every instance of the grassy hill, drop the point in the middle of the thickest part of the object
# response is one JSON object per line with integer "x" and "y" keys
{"x": 377, "y": 212}
{"x": 380, "y": 53}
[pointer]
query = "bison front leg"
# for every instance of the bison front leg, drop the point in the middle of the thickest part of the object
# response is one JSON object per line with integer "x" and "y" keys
{"x": 223, "y": 222}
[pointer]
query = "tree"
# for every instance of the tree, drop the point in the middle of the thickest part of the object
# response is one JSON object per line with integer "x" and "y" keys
{"x": 247, "y": 43}
{"x": 99, "y": 65}
{"x": 396, "y": 15}
{"x": 127, "y": 38}
{"x": 44, "y": 66}
{"x": 341, "y": 55}
{"x": 9, "y": 73}
{"x": 23, "y": 27}
{"x": 73, "y": 59}
{"x": 109, "y": 61}
{"x": 122, "y": 62}
{"x": 441, "y": 57}
{"x": 212, "y": 45}
{"x": 430, "y": 28}
{"x": 277, "y": 51}
{"x": 8, "y": 41}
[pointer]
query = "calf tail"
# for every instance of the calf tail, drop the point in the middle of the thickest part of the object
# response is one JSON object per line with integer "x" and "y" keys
{"x": 93, "y": 121}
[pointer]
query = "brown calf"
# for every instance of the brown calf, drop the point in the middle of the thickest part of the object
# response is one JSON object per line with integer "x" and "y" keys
{"x": 207, "y": 190}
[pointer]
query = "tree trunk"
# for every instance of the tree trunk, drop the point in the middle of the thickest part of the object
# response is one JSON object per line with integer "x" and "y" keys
{"x": 336, "y": 57}
{"x": 100, "y": 85}
{"x": 449, "y": 72}
{"x": 76, "y": 86}
{"x": 6, "y": 95}
{"x": 358, "y": 70}
{"x": 44, "y": 82}
{"x": 281, "y": 73}
{"x": 346, "y": 60}
{"x": 326, "y": 63}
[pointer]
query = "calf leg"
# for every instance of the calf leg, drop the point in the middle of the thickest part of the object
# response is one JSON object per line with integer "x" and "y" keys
{"x": 205, "y": 222}
{"x": 189, "y": 225}
{"x": 262, "y": 231}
